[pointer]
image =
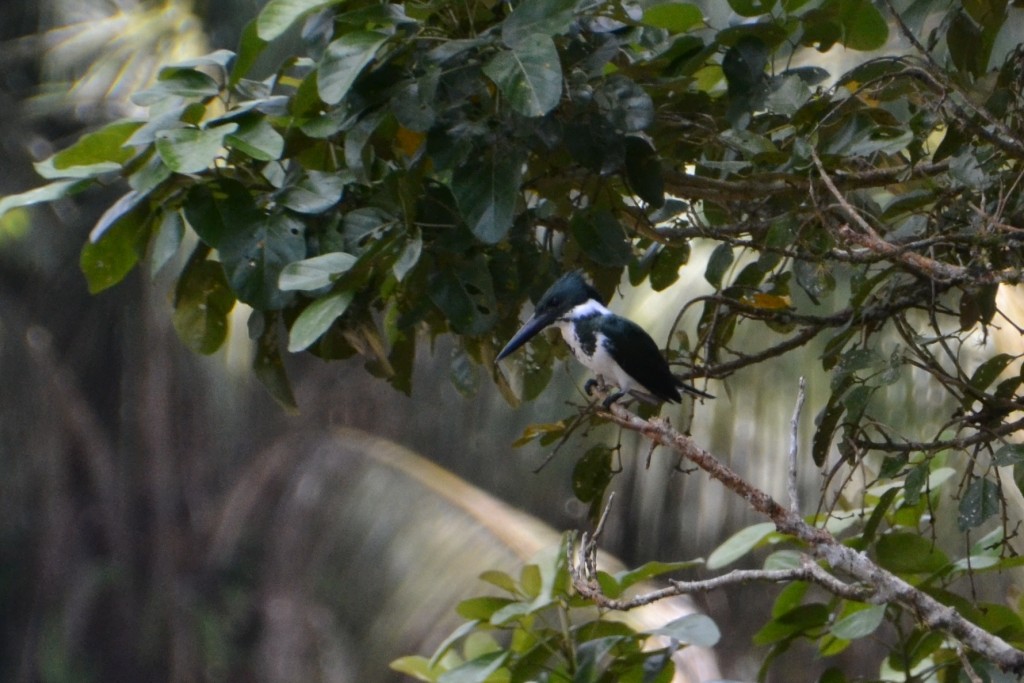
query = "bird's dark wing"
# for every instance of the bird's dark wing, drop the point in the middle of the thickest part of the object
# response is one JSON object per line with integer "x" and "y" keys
{"x": 636, "y": 353}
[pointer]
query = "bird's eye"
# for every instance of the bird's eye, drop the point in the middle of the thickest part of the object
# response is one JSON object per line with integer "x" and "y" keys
{"x": 554, "y": 301}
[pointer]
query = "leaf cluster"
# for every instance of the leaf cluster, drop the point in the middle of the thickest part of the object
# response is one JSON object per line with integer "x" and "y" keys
{"x": 538, "y": 629}
{"x": 435, "y": 165}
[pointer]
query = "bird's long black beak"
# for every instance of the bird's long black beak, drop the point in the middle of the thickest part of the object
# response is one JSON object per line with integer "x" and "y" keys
{"x": 528, "y": 330}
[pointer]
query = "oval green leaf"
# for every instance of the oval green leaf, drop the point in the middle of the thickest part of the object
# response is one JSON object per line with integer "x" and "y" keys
{"x": 859, "y": 624}
{"x": 192, "y": 150}
{"x": 316, "y": 318}
{"x": 344, "y": 59}
{"x": 739, "y": 544}
{"x": 529, "y": 75}
{"x": 315, "y": 272}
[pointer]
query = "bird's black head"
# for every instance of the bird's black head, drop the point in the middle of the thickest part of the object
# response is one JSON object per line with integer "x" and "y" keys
{"x": 569, "y": 291}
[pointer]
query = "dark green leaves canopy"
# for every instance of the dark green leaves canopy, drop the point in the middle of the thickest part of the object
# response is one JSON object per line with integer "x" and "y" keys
{"x": 433, "y": 166}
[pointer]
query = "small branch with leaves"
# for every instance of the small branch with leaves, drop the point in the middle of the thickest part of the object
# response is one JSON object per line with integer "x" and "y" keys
{"x": 825, "y": 562}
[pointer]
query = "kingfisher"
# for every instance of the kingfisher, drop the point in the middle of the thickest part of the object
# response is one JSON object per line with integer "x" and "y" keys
{"x": 615, "y": 348}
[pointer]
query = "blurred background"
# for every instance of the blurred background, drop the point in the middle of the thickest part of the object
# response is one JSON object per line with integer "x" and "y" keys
{"x": 162, "y": 519}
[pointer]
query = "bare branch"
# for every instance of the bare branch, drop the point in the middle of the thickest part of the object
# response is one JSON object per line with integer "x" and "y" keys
{"x": 794, "y": 447}
{"x": 586, "y": 584}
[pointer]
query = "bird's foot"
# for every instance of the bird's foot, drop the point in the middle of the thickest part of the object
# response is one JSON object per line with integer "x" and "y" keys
{"x": 590, "y": 386}
{"x": 612, "y": 398}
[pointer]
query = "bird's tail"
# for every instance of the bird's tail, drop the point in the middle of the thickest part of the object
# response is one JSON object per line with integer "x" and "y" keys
{"x": 692, "y": 390}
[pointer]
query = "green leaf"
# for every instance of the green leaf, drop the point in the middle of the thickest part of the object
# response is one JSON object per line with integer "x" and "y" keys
{"x": 414, "y": 666}
{"x": 667, "y": 264}
{"x": 499, "y": 579}
{"x": 529, "y": 75}
{"x": 409, "y": 257}
{"x": 692, "y": 629}
{"x": 342, "y": 62}
{"x": 859, "y": 624}
{"x": 979, "y": 502}
{"x": 277, "y": 15}
{"x": 202, "y": 302}
{"x": 751, "y": 8}
{"x": 591, "y": 656}
{"x": 218, "y": 209}
{"x": 192, "y": 150}
{"x": 739, "y": 544}
{"x": 652, "y": 569}
{"x": 454, "y": 637}
{"x": 789, "y": 597}
{"x": 1010, "y": 454}
{"x": 253, "y": 247}
{"x": 46, "y": 169}
{"x": 673, "y": 17}
{"x": 794, "y": 622}
{"x": 863, "y": 26}
{"x": 537, "y": 17}
{"x": 149, "y": 175}
{"x": 39, "y": 195}
{"x": 986, "y": 373}
{"x": 481, "y": 608}
{"x": 107, "y": 145}
{"x": 719, "y": 262}
{"x": 486, "y": 194}
{"x": 601, "y": 237}
{"x": 592, "y": 474}
{"x": 363, "y": 228}
{"x": 545, "y": 432}
{"x": 127, "y": 203}
{"x": 909, "y": 553}
{"x": 315, "y": 272}
{"x": 250, "y": 47}
{"x": 476, "y": 670}
{"x": 466, "y": 296}
{"x": 167, "y": 241}
{"x": 316, "y": 319}
{"x": 258, "y": 139}
{"x": 643, "y": 171}
{"x": 783, "y": 559}
{"x": 315, "y": 192}
{"x": 177, "y": 82}
{"x": 255, "y": 255}
{"x": 814, "y": 277}
{"x": 269, "y": 369}
{"x": 914, "y": 482}
{"x": 878, "y": 514}
{"x": 108, "y": 258}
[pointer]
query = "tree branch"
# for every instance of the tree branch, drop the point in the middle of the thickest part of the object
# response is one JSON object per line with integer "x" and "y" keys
{"x": 927, "y": 267}
{"x": 687, "y": 185}
{"x": 874, "y": 584}
{"x": 586, "y": 583}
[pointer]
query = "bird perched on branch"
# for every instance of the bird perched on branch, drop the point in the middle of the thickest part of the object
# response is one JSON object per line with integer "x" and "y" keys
{"x": 616, "y": 349}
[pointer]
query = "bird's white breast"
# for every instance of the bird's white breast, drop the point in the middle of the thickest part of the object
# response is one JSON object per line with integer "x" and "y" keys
{"x": 601, "y": 362}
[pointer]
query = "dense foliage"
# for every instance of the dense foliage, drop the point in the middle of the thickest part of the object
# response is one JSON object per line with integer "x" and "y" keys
{"x": 554, "y": 634}
{"x": 430, "y": 167}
